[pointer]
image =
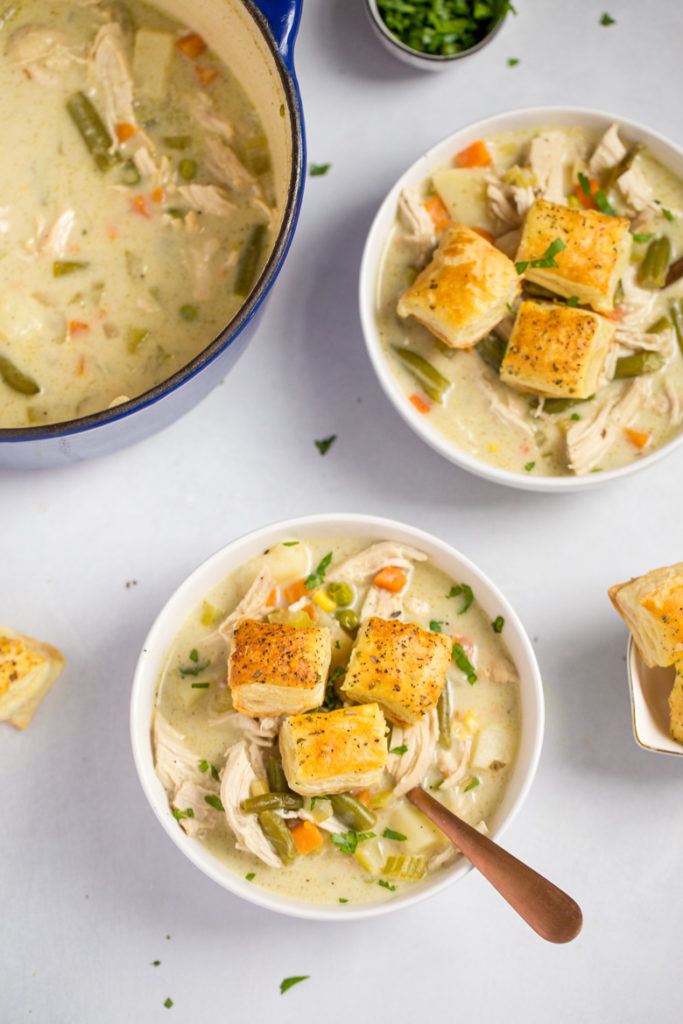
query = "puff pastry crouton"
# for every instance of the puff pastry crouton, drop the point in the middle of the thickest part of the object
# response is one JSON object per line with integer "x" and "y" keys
{"x": 465, "y": 289}
{"x": 28, "y": 668}
{"x": 652, "y": 608}
{"x": 274, "y": 669}
{"x": 333, "y": 751}
{"x": 556, "y": 350}
{"x": 595, "y": 256}
{"x": 676, "y": 705}
{"x": 400, "y": 666}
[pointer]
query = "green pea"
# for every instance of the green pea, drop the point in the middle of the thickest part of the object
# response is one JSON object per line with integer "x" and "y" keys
{"x": 341, "y": 594}
{"x": 189, "y": 312}
{"x": 348, "y": 620}
{"x": 187, "y": 169}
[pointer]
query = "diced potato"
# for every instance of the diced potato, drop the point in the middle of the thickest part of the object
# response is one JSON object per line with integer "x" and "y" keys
{"x": 422, "y": 836}
{"x": 321, "y": 810}
{"x": 152, "y": 62}
{"x": 288, "y": 563}
{"x": 495, "y": 744}
{"x": 463, "y": 191}
{"x": 370, "y": 856}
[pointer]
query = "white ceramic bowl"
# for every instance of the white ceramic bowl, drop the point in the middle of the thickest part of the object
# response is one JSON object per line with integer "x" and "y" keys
{"x": 370, "y": 528}
{"x": 650, "y": 689}
{"x": 536, "y": 117}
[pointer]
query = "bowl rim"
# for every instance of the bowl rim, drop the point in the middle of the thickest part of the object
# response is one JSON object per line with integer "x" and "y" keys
{"x": 663, "y": 148}
{"x": 223, "y": 340}
{"x": 420, "y": 55}
{"x": 226, "y": 559}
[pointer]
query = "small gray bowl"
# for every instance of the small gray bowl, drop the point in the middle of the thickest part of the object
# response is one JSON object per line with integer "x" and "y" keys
{"x": 416, "y": 58}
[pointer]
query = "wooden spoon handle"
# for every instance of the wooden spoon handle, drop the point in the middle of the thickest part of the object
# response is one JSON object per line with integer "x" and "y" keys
{"x": 550, "y": 912}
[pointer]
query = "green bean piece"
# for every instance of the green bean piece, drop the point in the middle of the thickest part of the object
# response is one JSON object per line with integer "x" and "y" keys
{"x": 15, "y": 379}
{"x": 537, "y": 290}
{"x": 348, "y": 620}
{"x": 135, "y": 337}
{"x": 553, "y": 405}
{"x": 492, "y": 350}
{"x": 130, "y": 175}
{"x": 443, "y": 714}
{"x": 187, "y": 169}
{"x": 676, "y": 315}
{"x": 341, "y": 594}
{"x": 62, "y": 267}
{"x": 637, "y": 364}
{"x": 611, "y": 174}
{"x": 433, "y": 383}
{"x": 663, "y": 324}
{"x": 272, "y": 802}
{"x": 250, "y": 260}
{"x": 652, "y": 271}
{"x": 277, "y": 780}
{"x": 177, "y": 141}
{"x": 352, "y": 812}
{"x": 92, "y": 131}
{"x": 189, "y": 312}
{"x": 279, "y": 835}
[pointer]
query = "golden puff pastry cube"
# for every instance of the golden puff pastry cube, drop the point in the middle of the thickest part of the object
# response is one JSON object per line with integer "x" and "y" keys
{"x": 28, "y": 668}
{"x": 596, "y": 252}
{"x": 333, "y": 751}
{"x": 464, "y": 291}
{"x": 652, "y": 608}
{"x": 676, "y": 705}
{"x": 400, "y": 666}
{"x": 556, "y": 350}
{"x": 275, "y": 669}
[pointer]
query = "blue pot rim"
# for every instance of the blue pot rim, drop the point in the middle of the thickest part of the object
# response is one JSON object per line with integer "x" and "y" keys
{"x": 245, "y": 313}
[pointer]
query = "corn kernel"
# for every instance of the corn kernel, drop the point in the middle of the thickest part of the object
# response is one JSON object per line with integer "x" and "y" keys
{"x": 324, "y": 601}
{"x": 493, "y": 447}
{"x": 470, "y": 722}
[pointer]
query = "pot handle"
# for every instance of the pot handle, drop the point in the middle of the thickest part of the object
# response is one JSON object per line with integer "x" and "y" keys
{"x": 283, "y": 18}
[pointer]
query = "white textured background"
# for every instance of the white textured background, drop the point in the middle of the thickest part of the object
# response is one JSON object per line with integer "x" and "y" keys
{"x": 90, "y": 887}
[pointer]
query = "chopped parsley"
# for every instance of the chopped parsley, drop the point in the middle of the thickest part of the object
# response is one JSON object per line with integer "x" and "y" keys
{"x": 314, "y": 800}
{"x": 289, "y": 543}
{"x": 168, "y": 1003}
{"x": 250, "y": 876}
{"x": 513, "y": 62}
{"x": 598, "y": 196}
{"x": 399, "y": 750}
{"x": 342, "y": 900}
{"x": 155, "y": 963}
{"x": 204, "y": 767}
{"x": 332, "y": 701}
{"x": 348, "y": 841}
{"x": 573, "y": 300}
{"x": 643, "y": 238}
{"x": 317, "y": 170}
{"x": 607, "y": 19}
{"x": 325, "y": 445}
{"x": 509, "y": 309}
{"x": 316, "y": 578}
{"x": 546, "y": 260}
{"x": 468, "y": 596}
{"x": 196, "y": 668}
{"x": 194, "y": 654}
{"x": 497, "y": 624}
{"x": 179, "y": 815}
{"x": 288, "y": 982}
{"x": 464, "y": 663}
{"x": 575, "y": 416}
{"x": 667, "y": 213}
{"x": 201, "y": 686}
{"x": 386, "y": 885}
{"x": 390, "y": 834}
{"x": 472, "y": 784}
{"x": 442, "y": 27}
{"x": 529, "y": 466}
{"x": 435, "y": 626}
{"x": 214, "y": 801}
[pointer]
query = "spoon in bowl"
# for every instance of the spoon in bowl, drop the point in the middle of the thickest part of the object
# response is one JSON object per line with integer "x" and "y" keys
{"x": 553, "y": 914}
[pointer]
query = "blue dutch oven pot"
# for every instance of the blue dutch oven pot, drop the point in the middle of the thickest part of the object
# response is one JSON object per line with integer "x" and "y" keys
{"x": 269, "y": 28}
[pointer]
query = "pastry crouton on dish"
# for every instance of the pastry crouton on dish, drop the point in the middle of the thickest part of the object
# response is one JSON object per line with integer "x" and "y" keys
{"x": 652, "y": 608}
{"x": 595, "y": 254}
{"x": 464, "y": 291}
{"x": 276, "y": 669}
{"x": 333, "y": 751}
{"x": 28, "y": 668}
{"x": 676, "y": 705}
{"x": 556, "y": 350}
{"x": 400, "y": 666}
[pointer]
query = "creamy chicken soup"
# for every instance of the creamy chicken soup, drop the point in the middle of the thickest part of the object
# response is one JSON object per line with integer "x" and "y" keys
{"x": 227, "y": 776}
{"x": 635, "y": 402}
{"x": 136, "y": 208}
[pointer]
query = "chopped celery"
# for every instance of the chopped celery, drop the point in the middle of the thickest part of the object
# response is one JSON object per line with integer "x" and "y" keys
{"x": 406, "y": 867}
{"x": 135, "y": 337}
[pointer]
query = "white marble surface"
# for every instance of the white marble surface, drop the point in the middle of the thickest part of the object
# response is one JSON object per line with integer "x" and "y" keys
{"x": 90, "y": 888}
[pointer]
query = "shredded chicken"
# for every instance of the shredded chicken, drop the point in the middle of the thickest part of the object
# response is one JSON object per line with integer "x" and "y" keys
{"x": 204, "y": 113}
{"x": 418, "y": 227}
{"x": 643, "y": 222}
{"x": 382, "y": 603}
{"x": 161, "y": 175}
{"x": 547, "y": 157}
{"x": 51, "y": 242}
{"x": 508, "y": 410}
{"x": 409, "y": 769}
{"x": 674, "y": 399}
{"x": 636, "y": 189}
{"x": 42, "y": 52}
{"x": 200, "y": 257}
{"x": 589, "y": 439}
{"x": 207, "y": 199}
{"x": 608, "y": 152}
{"x": 252, "y": 605}
{"x": 507, "y": 203}
{"x": 177, "y": 767}
{"x": 454, "y": 762}
{"x": 236, "y": 781}
{"x": 113, "y": 76}
{"x": 259, "y": 731}
{"x": 368, "y": 562}
{"x": 192, "y": 797}
{"x": 501, "y": 670}
{"x": 224, "y": 164}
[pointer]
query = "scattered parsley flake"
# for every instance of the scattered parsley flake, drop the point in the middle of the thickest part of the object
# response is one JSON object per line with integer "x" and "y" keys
{"x": 390, "y": 834}
{"x": 467, "y": 594}
{"x": 643, "y": 238}
{"x": 316, "y": 578}
{"x": 325, "y": 445}
{"x": 546, "y": 260}
{"x": 471, "y": 785}
{"x": 179, "y": 815}
{"x": 155, "y": 963}
{"x": 168, "y": 1003}
{"x": 201, "y": 686}
{"x": 399, "y": 750}
{"x": 288, "y": 982}
{"x": 214, "y": 801}
{"x": 509, "y": 309}
{"x": 317, "y": 170}
{"x": 250, "y": 875}
{"x": 667, "y": 213}
{"x": 194, "y": 670}
{"x": 194, "y": 654}
{"x": 598, "y": 196}
{"x": 214, "y": 773}
{"x": 289, "y": 543}
{"x": 575, "y": 416}
{"x": 529, "y": 466}
{"x": 513, "y": 62}
{"x": 573, "y": 300}
{"x": 203, "y": 765}
{"x": 348, "y": 841}
{"x": 386, "y": 885}
{"x": 464, "y": 663}
{"x": 435, "y": 626}
{"x": 342, "y": 900}
{"x": 497, "y": 624}
{"x": 607, "y": 19}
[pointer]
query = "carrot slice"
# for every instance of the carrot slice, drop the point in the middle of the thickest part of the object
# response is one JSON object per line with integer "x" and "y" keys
{"x": 138, "y": 205}
{"x": 306, "y": 837}
{"x": 392, "y": 578}
{"x": 363, "y": 795}
{"x": 272, "y": 598}
{"x": 293, "y": 591}
{"x": 637, "y": 437}
{"x": 476, "y": 155}
{"x": 420, "y": 404}
{"x": 78, "y": 327}
{"x": 192, "y": 45}
{"x": 438, "y": 212}
{"x": 311, "y": 612}
{"x": 158, "y": 195}
{"x": 587, "y": 202}
{"x": 125, "y": 131}
{"x": 485, "y": 234}
{"x": 206, "y": 74}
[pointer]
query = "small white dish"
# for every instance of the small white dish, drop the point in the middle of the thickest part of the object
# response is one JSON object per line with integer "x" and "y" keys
{"x": 534, "y": 117}
{"x": 650, "y": 689}
{"x": 370, "y": 528}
